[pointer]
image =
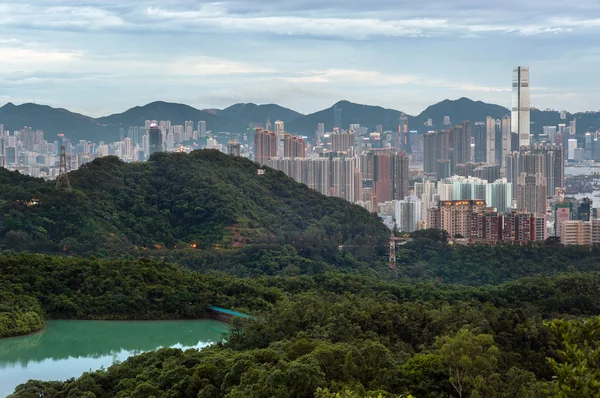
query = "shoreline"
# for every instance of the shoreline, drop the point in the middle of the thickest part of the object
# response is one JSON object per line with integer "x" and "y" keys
{"x": 210, "y": 315}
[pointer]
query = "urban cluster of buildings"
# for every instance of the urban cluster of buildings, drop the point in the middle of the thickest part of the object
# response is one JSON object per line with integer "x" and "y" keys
{"x": 33, "y": 153}
{"x": 487, "y": 181}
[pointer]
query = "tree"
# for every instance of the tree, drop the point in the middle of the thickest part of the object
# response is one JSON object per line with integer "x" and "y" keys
{"x": 578, "y": 369}
{"x": 471, "y": 359}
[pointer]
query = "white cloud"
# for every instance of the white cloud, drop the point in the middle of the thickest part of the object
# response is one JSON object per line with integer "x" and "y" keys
{"x": 364, "y": 77}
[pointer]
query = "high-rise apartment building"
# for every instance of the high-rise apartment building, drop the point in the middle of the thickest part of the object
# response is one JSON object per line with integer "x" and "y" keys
{"x": 506, "y": 138}
{"x": 202, "y": 128}
{"x": 279, "y": 129}
{"x": 532, "y": 193}
{"x": 480, "y": 142}
{"x": 342, "y": 141}
{"x": 408, "y": 213}
{"x": 520, "y": 114}
{"x": 435, "y": 147}
{"x": 576, "y": 232}
{"x": 404, "y": 134}
{"x": 320, "y": 132}
{"x": 400, "y": 183}
{"x": 461, "y": 143}
{"x": 490, "y": 136}
{"x": 455, "y": 216}
{"x": 265, "y": 146}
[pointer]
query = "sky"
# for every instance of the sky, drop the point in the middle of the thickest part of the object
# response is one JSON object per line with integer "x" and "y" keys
{"x": 104, "y": 56}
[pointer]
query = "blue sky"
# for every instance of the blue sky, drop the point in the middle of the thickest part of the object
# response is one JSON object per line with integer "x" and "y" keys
{"x": 105, "y": 56}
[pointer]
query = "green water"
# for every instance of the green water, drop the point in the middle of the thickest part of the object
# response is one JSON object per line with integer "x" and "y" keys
{"x": 66, "y": 349}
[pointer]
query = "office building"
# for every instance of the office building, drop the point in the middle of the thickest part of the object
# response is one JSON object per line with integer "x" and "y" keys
{"x": 155, "y": 139}
{"x": 320, "y": 132}
{"x": 572, "y": 145}
{"x": 337, "y": 117}
{"x": 520, "y": 114}
{"x": 234, "y": 148}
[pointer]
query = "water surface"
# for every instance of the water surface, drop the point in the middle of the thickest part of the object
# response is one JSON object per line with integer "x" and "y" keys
{"x": 66, "y": 349}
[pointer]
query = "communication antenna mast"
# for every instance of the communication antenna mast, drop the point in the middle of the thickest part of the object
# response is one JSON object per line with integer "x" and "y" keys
{"x": 63, "y": 176}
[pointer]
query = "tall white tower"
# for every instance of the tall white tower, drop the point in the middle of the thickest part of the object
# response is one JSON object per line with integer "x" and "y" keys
{"x": 520, "y": 116}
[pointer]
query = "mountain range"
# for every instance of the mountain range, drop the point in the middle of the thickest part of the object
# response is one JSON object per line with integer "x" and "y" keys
{"x": 239, "y": 117}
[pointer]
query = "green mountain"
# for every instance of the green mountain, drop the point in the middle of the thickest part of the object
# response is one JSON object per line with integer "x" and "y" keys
{"x": 53, "y": 121}
{"x": 252, "y": 113}
{"x": 458, "y": 110}
{"x": 176, "y": 113}
{"x": 206, "y": 200}
{"x": 238, "y": 117}
{"x": 365, "y": 115}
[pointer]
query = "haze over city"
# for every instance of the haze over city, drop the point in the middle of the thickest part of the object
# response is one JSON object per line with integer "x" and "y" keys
{"x": 106, "y": 56}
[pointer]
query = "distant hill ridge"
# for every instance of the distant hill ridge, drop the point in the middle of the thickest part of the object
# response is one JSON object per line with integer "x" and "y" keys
{"x": 238, "y": 117}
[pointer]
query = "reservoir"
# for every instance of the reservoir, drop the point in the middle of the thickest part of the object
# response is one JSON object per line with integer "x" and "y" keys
{"x": 66, "y": 349}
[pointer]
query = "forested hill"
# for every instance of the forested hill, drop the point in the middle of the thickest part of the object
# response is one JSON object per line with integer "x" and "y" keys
{"x": 205, "y": 200}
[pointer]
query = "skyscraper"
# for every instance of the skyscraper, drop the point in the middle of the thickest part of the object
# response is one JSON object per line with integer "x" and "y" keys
{"x": 490, "y": 136}
{"x": 279, "y": 129}
{"x": 265, "y": 146}
{"x": 202, "y": 128}
{"x": 399, "y": 175}
{"x": 531, "y": 193}
{"x": 480, "y": 138}
{"x": 337, "y": 117}
{"x": 461, "y": 137}
{"x": 320, "y": 132}
{"x": 506, "y": 123}
{"x": 520, "y": 115}
{"x": 405, "y": 144}
{"x": 155, "y": 139}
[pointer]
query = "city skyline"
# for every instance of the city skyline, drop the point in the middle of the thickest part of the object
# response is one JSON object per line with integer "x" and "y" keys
{"x": 105, "y": 56}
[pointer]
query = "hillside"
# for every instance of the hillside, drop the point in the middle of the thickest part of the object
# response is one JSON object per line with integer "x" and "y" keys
{"x": 206, "y": 199}
{"x": 176, "y": 113}
{"x": 252, "y": 113}
{"x": 459, "y": 110}
{"x": 365, "y": 115}
{"x": 238, "y": 117}
{"x": 54, "y": 121}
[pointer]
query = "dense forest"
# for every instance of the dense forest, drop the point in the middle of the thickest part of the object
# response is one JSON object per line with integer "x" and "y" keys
{"x": 205, "y": 200}
{"x": 168, "y": 238}
{"x": 316, "y": 335}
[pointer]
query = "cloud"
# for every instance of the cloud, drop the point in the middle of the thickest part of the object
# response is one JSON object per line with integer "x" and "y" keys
{"x": 349, "y": 75}
{"x": 379, "y": 19}
{"x": 109, "y": 54}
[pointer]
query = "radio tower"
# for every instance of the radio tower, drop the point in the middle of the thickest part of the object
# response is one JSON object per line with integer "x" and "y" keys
{"x": 392, "y": 267}
{"x": 63, "y": 176}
